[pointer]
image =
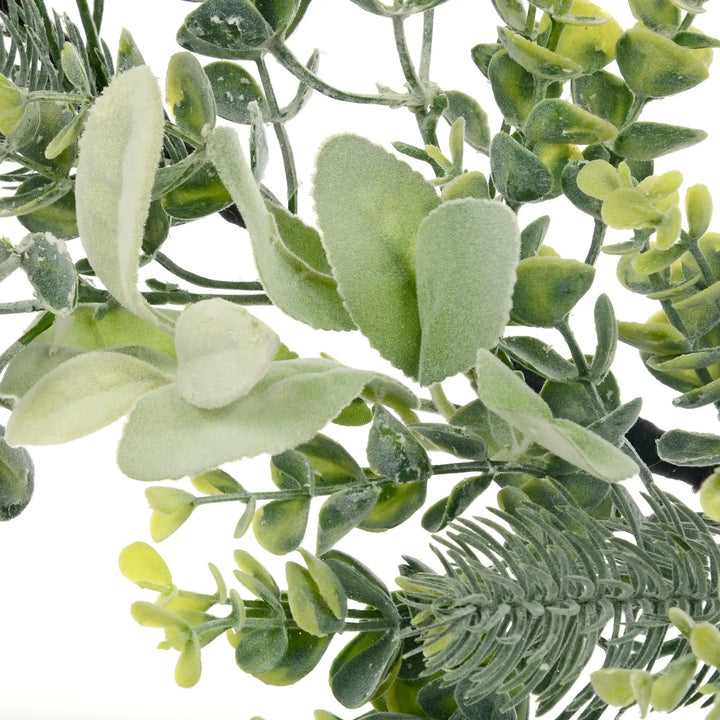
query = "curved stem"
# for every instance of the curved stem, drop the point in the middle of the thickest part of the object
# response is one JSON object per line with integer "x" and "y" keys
{"x": 692, "y": 246}
{"x": 406, "y": 63}
{"x": 441, "y": 402}
{"x": 21, "y": 306}
{"x": 283, "y": 55}
{"x": 201, "y": 281}
{"x": 281, "y": 135}
{"x": 596, "y": 243}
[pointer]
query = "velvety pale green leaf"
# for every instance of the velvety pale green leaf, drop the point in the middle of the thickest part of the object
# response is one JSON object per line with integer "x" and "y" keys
{"x": 653, "y": 337}
{"x": 16, "y": 479}
{"x": 12, "y": 105}
{"x": 539, "y": 357}
{"x": 396, "y": 503}
{"x": 330, "y": 462}
{"x": 476, "y": 243}
{"x": 355, "y": 414}
{"x": 294, "y": 400}
{"x": 201, "y": 193}
{"x": 710, "y": 497}
{"x": 671, "y": 685}
{"x": 66, "y": 137}
{"x": 446, "y": 510}
{"x": 343, "y": 511}
{"x": 303, "y": 653}
{"x": 119, "y": 153}
{"x": 163, "y": 525}
{"x": 361, "y": 666}
{"x": 151, "y": 615}
{"x": 302, "y": 242}
{"x": 681, "y": 447}
{"x": 128, "y": 55}
{"x": 234, "y": 25}
{"x": 497, "y": 434}
{"x": 477, "y": 130}
{"x": 700, "y": 312}
{"x": 279, "y": 525}
{"x": 513, "y": 87}
{"x": 360, "y": 583}
{"x": 604, "y": 95}
{"x": 234, "y": 88}
{"x": 538, "y": 60}
{"x": 390, "y": 392}
{"x": 689, "y": 361}
{"x": 649, "y": 140}
{"x": 327, "y": 584}
{"x": 189, "y": 95}
{"x": 222, "y": 351}
{"x": 167, "y": 500}
{"x": 305, "y": 298}
{"x": 698, "y": 209}
{"x": 547, "y": 288}
{"x": 291, "y": 470}
{"x": 142, "y": 564}
{"x": 517, "y": 173}
{"x": 558, "y": 121}
{"x": 471, "y": 184}
{"x": 512, "y": 12}
{"x": 370, "y": 206}
{"x": 50, "y": 269}
{"x": 508, "y": 396}
{"x": 188, "y": 666}
{"x": 607, "y": 337}
{"x": 216, "y": 482}
{"x": 80, "y": 396}
{"x": 460, "y": 442}
{"x": 590, "y": 45}
{"x": 392, "y": 450}
{"x": 259, "y": 650}
{"x": 556, "y": 157}
{"x": 696, "y": 40}
{"x": 654, "y": 66}
{"x": 532, "y": 236}
{"x": 699, "y": 397}
{"x": 308, "y": 609}
{"x": 482, "y": 55}
{"x": 662, "y": 17}
{"x": 613, "y": 686}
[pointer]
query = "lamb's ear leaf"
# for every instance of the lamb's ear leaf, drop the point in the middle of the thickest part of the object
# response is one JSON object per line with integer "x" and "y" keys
{"x": 681, "y": 447}
{"x": 306, "y": 297}
{"x": 475, "y": 243}
{"x": 370, "y": 206}
{"x": 119, "y": 153}
{"x": 293, "y": 401}
{"x": 223, "y": 351}
{"x": 81, "y": 396}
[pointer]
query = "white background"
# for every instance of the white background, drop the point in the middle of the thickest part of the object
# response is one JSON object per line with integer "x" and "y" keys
{"x": 69, "y": 649}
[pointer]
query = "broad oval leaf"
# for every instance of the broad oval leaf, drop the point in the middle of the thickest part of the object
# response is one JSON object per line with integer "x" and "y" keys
{"x": 304, "y": 652}
{"x": 331, "y": 462}
{"x": 260, "y": 650}
{"x": 370, "y": 206}
{"x": 57, "y": 218}
{"x": 477, "y": 130}
{"x": 16, "y": 479}
{"x": 558, "y": 121}
{"x": 307, "y": 606}
{"x": 681, "y": 447}
{"x": 81, "y": 396}
{"x": 517, "y": 173}
{"x": 461, "y": 442}
{"x": 294, "y": 400}
{"x": 655, "y": 66}
{"x": 447, "y": 509}
{"x": 280, "y": 525}
{"x": 539, "y": 357}
{"x": 662, "y": 17}
{"x": 222, "y": 351}
{"x": 198, "y": 193}
{"x": 306, "y": 298}
{"x": 650, "y": 140}
{"x": 395, "y": 504}
{"x": 361, "y": 666}
{"x": 234, "y": 88}
{"x": 604, "y": 95}
{"x": 119, "y": 153}
{"x": 189, "y": 95}
{"x": 537, "y": 60}
{"x": 513, "y": 87}
{"x": 476, "y": 243}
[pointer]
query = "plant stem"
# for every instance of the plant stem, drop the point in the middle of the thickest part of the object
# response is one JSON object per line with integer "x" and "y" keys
{"x": 427, "y": 40}
{"x": 441, "y": 402}
{"x": 21, "y": 306}
{"x": 596, "y": 243}
{"x": 406, "y": 62}
{"x": 9, "y": 266}
{"x": 95, "y": 53}
{"x": 283, "y": 55}
{"x": 201, "y": 281}
{"x": 692, "y": 246}
{"x": 281, "y": 135}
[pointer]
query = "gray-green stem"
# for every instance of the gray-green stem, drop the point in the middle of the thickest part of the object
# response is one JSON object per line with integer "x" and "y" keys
{"x": 202, "y": 281}
{"x": 599, "y": 231}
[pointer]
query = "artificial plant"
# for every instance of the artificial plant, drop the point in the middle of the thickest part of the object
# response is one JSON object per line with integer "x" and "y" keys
{"x": 431, "y": 264}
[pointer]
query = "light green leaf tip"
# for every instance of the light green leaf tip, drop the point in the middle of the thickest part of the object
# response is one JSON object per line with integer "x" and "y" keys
{"x": 119, "y": 154}
{"x": 222, "y": 352}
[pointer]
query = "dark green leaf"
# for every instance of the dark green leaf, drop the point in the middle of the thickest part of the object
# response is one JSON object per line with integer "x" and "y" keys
{"x": 304, "y": 652}
{"x": 202, "y": 193}
{"x": 361, "y": 666}
{"x": 57, "y": 218}
{"x": 695, "y": 40}
{"x": 234, "y": 88}
{"x": 681, "y": 447}
{"x": 658, "y": 15}
{"x": 538, "y": 60}
{"x": 539, "y": 357}
{"x": 512, "y": 12}
{"x": 29, "y": 198}
{"x": 259, "y": 650}
{"x": 331, "y": 463}
{"x": 360, "y": 583}
{"x": 700, "y": 312}
{"x": 590, "y": 205}
{"x": 279, "y": 526}
{"x": 654, "y": 66}
{"x": 558, "y": 121}
{"x": 308, "y": 608}
{"x": 532, "y": 236}
{"x": 16, "y": 479}
{"x": 457, "y": 441}
{"x": 393, "y": 452}
{"x": 397, "y": 502}
{"x": 698, "y": 397}
{"x": 513, "y": 87}
{"x": 342, "y": 512}
{"x": 446, "y": 510}
{"x": 291, "y": 470}
{"x": 477, "y": 130}
{"x": 517, "y": 173}
{"x": 482, "y": 55}
{"x": 604, "y": 95}
{"x": 570, "y": 399}
{"x": 189, "y": 95}
{"x": 650, "y": 140}
{"x": 615, "y": 424}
